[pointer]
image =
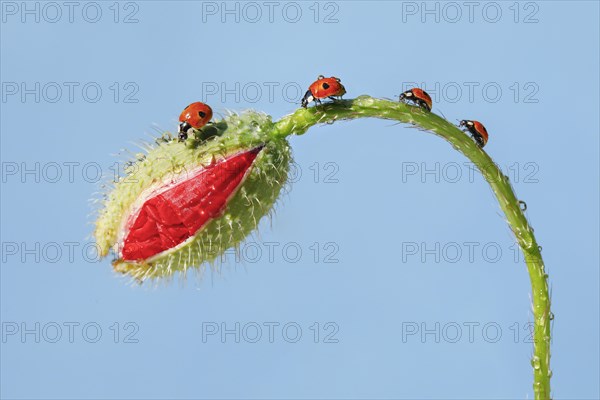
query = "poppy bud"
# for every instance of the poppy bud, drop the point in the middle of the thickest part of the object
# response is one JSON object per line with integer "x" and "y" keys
{"x": 185, "y": 203}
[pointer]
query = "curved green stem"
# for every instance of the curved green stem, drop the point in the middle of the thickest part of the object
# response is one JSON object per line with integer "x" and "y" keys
{"x": 368, "y": 107}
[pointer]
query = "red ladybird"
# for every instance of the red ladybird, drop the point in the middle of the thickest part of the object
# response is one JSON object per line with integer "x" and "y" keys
{"x": 477, "y": 130}
{"x": 322, "y": 88}
{"x": 194, "y": 116}
{"x": 417, "y": 96}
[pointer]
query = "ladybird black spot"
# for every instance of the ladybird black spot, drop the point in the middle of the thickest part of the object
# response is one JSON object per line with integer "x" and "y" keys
{"x": 202, "y": 114}
{"x": 325, "y": 86}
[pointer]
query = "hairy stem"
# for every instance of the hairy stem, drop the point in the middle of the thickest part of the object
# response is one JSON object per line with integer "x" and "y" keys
{"x": 369, "y": 107}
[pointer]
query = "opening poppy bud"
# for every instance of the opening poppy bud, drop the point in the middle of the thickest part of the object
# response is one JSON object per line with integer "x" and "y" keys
{"x": 183, "y": 205}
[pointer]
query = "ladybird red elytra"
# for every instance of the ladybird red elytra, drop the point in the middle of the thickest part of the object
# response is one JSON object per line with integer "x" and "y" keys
{"x": 477, "y": 130}
{"x": 419, "y": 97}
{"x": 323, "y": 88}
{"x": 194, "y": 116}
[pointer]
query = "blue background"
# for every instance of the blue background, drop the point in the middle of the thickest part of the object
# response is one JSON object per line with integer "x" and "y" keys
{"x": 376, "y": 290}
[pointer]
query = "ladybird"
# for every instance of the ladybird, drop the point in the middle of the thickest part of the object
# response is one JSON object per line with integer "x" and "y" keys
{"x": 194, "y": 116}
{"x": 322, "y": 88}
{"x": 477, "y": 130}
{"x": 417, "y": 96}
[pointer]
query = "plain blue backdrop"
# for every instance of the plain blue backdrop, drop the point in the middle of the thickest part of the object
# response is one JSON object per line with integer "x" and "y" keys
{"x": 393, "y": 263}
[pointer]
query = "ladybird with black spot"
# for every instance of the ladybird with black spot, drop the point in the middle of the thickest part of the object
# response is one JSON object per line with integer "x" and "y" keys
{"x": 476, "y": 129}
{"x": 194, "y": 116}
{"x": 323, "y": 88}
{"x": 418, "y": 97}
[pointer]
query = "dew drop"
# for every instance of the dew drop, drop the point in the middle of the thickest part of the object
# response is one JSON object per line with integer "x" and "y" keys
{"x": 551, "y": 316}
{"x": 535, "y": 363}
{"x": 523, "y": 205}
{"x": 540, "y": 249}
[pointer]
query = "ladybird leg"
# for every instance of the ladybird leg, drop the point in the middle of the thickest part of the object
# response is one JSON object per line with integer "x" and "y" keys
{"x": 475, "y": 139}
{"x": 480, "y": 141}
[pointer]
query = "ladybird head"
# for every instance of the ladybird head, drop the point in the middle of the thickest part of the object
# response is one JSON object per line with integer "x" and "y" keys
{"x": 183, "y": 130}
{"x": 406, "y": 95}
{"x": 308, "y": 97}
